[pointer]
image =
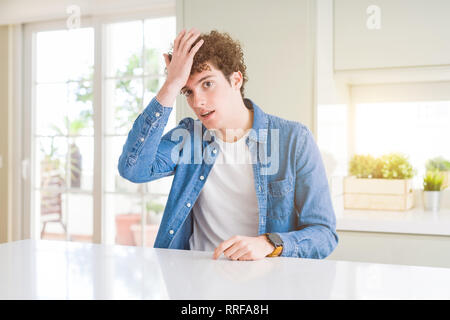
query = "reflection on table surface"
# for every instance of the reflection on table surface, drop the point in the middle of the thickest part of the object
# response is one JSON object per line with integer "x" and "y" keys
{"x": 68, "y": 270}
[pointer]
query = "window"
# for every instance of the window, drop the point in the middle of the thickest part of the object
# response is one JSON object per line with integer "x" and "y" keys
{"x": 409, "y": 118}
{"x": 63, "y": 133}
{"x": 68, "y": 86}
{"x": 332, "y": 137}
{"x": 134, "y": 74}
{"x": 416, "y": 129}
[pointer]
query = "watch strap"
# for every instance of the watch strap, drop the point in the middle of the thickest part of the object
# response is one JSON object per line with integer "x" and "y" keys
{"x": 278, "y": 246}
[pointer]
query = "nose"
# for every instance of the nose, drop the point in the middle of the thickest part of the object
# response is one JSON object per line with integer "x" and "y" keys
{"x": 199, "y": 101}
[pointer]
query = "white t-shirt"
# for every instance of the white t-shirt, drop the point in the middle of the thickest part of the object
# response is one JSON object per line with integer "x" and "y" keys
{"x": 227, "y": 205}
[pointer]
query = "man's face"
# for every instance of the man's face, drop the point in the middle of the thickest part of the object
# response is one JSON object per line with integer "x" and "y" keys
{"x": 210, "y": 96}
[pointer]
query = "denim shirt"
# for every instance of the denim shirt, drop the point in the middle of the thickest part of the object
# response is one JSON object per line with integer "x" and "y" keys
{"x": 290, "y": 181}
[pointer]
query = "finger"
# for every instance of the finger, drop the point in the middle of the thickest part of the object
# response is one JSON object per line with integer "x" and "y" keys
{"x": 219, "y": 250}
{"x": 176, "y": 43}
{"x": 166, "y": 59}
{"x": 184, "y": 44}
{"x": 189, "y": 43}
{"x": 239, "y": 253}
{"x": 224, "y": 246}
{"x": 246, "y": 257}
{"x": 196, "y": 47}
{"x": 232, "y": 250}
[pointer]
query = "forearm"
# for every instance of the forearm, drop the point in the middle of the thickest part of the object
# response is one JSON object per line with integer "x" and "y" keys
{"x": 313, "y": 242}
{"x": 141, "y": 146}
{"x": 168, "y": 94}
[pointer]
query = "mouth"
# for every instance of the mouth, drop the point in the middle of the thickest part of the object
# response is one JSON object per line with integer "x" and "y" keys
{"x": 207, "y": 114}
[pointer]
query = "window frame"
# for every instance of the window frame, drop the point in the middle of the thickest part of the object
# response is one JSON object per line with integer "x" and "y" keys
{"x": 30, "y": 227}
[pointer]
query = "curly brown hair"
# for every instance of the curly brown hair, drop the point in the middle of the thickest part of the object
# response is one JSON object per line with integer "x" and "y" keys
{"x": 224, "y": 53}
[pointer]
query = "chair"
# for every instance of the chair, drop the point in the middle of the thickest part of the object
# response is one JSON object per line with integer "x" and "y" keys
{"x": 51, "y": 202}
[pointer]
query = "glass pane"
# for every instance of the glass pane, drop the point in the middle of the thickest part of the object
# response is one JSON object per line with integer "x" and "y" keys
{"x": 160, "y": 186}
{"x": 159, "y": 34}
{"x": 416, "y": 129}
{"x": 81, "y": 166}
{"x": 50, "y": 208}
{"x": 122, "y": 212}
{"x": 152, "y": 86}
{"x": 80, "y": 110}
{"x": 51, "y": 109}
{"x": 80, "y": 208}
{"x": 124, "y": 53}
{"x": 50, "y": 162}
{"x": 332, "y": 138}
{"x": 154, "y": 208}
{"x": 123, "y": 104}
{"x": 70, "y": 59}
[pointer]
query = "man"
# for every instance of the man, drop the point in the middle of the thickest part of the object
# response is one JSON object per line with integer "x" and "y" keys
{"x": 277, "y": 205}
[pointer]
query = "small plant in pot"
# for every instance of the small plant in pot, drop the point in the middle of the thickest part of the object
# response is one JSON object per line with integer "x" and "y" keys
{"x": 442, "y": 165}
{"x": 366, "y": 167}
{"x": 432, "y": 186}
{"x": 383, "y": 183}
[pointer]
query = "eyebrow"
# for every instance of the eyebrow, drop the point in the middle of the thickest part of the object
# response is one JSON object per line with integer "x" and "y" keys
{"x": 204, "y": 78}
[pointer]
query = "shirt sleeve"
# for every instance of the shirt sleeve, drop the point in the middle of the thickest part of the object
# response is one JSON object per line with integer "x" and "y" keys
{"x": 147, "y": 155}
{"x": 315, "y": 235}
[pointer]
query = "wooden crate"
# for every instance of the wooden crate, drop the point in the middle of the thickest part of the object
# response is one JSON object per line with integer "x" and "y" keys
{"x": 378, "y": 194}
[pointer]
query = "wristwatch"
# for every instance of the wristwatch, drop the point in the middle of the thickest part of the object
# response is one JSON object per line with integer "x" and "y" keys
{"x": 275, "y": 239}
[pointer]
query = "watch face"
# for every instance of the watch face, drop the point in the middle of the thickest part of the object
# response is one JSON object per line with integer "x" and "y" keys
{"x": 275, "y": 239}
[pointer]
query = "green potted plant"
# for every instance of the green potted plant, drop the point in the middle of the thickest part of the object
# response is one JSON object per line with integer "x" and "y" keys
{"x": 383, "y": 183}
{"x": 442, "y": 165}
{"x": 365, "y": 166}
{"x": 432, "y": 186}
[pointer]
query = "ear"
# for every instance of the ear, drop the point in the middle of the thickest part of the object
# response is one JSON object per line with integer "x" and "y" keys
{"x": 236, "y": 80}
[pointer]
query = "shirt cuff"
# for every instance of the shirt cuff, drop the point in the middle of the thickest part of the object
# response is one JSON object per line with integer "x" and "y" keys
{"x": 289, "y": 245}
{"x": 156, "y": 111}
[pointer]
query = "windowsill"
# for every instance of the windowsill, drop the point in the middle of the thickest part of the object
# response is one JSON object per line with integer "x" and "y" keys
{"x": 414, "y": 221}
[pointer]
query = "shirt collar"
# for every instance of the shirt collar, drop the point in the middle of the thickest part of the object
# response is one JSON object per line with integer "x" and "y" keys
{"x": 259, "y": 132}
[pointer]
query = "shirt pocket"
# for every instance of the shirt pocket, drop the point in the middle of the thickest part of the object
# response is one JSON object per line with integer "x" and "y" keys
{"x": 280, "y": 198}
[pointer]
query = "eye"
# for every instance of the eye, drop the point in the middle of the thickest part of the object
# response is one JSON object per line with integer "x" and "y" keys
{"x": 206, "y": 82}
{"x": 186, "y": 93}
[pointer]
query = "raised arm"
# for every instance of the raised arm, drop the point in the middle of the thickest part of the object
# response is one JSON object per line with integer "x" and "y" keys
{"x": 147, "y": 155}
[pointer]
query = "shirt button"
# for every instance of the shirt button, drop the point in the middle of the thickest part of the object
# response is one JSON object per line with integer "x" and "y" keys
{"x": 171, "y": 231}
{"x": 142, "y": 139}
{"x": 259, "y": 188}
{"x": 202, "y": 178}
{"x": 188, "y": 204}
{"x": 157, "y": 114}
{"x": 214, "y": 151}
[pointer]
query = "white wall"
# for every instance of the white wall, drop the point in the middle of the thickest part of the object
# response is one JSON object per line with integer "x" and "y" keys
{"x": 4, "y": 133}
{"x": 411, "y": 33}
{"x": 22, "y": 11}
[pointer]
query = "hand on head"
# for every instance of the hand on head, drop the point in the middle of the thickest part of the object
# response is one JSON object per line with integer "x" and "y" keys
{"x": 180, "y": 63}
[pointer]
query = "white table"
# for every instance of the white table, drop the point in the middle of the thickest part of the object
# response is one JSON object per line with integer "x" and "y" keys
{"x": 68, "y": 270}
